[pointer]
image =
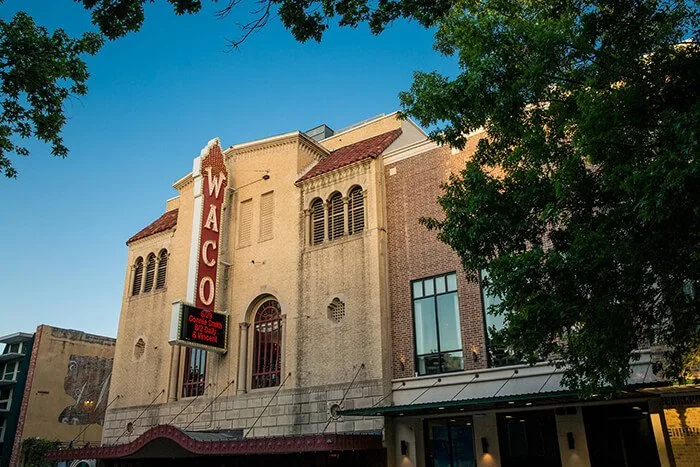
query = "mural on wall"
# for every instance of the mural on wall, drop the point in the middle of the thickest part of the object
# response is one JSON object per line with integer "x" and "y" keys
{"x": 87, "y": 382}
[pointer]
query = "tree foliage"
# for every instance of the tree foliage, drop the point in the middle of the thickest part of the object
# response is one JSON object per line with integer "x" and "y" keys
{"x": 34, "y": 450}
{"x": 583, "y": 200}
{"x": 38, "y": 72}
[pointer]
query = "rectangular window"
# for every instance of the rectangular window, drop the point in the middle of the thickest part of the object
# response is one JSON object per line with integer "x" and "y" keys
{"x": 450, "y": 443}
{"x": 245, "y": 222}
{"x": 499, "y": 355}
{"x": 195, "y": 374}
{"x": 10, "y": 370}
{"x": 267, "y": 212}
{"x": 438, "y": 335}
{"x": 5, "y": 398}
{"x": 13, "y": 348}
{"x": 3, "y": 423}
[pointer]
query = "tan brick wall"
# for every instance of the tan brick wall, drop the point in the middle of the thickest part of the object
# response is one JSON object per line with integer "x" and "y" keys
{"x": 412, "y": 188}
{"x": 682, "y": 416}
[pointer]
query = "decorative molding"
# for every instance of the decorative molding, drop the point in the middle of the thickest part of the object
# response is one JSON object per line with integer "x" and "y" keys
{"x": 338, "y": 175}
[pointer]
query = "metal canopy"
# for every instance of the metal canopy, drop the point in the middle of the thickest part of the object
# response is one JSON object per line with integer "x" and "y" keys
{"x": 165, "y": 441}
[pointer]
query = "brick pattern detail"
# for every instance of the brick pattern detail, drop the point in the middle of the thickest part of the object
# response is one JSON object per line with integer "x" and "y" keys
{"x": 683, "y": 424}
{"x": 17, "y": 446}
{"x": 415, "y": 253}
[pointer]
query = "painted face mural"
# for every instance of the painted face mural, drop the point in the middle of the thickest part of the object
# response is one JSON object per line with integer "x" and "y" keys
{"x": 87, "y": 382}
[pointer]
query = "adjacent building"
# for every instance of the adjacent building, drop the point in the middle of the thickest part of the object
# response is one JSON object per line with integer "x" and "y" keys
{"x": 14, "y": 362}
{"x": 288, "y": 308}
{"x": 57, "y": 382}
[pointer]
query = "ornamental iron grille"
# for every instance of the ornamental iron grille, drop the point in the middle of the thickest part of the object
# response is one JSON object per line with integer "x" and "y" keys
{"x": 195, "y": 372}
{"x": 267, "y": 345}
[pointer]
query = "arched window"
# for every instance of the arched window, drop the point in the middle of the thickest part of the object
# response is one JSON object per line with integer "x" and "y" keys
{"x": 335, "y": 216}
{"x": 138, "y": 276}
{"x": 356, "y": 210}
{"x": 162, "y": 268}
{"x": 267, "y": 345}
{"x": 317, "y": 222}
{"x": 150, "y": 272}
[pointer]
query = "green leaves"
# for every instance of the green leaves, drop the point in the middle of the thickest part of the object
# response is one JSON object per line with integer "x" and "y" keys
{"x": 38, "y": 72}
{"x": 590, "y": 229}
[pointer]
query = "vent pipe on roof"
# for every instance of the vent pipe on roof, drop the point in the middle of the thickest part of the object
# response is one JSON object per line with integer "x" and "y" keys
{"x": 320, "y": 132}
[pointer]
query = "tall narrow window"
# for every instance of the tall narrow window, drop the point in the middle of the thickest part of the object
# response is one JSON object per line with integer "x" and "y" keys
{"x": 335, "y": 216}
{"x": 245, "y": 222}
{"x": 317, "y": 222}
{"x": 267, "y": 345}
{"x": 150, "y": 273}
{"x": 499, "y": 354}
{"x": 195, "y": 372}
{"x": 356, "y": 210}
{"x": 438, "y": 337}
{"x": 138, "y": 276}
{"x": 267, "y": 212}
{"x": 2, "y": 429}
{"x": 162, "y": 268}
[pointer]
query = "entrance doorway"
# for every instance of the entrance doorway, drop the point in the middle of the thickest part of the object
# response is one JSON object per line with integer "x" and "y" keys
{"x": 620, "y": 435}
{"x": 528, "y": 439}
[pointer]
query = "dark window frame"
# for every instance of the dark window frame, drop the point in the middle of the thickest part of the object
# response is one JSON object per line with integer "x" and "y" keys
{"x": 435, "y": 295}
{"x": 194, "y": 373}
{"x": 356, "y": 210}
{"x": 449, "y": 422}
{"x": 162, "y": 269}
{"x": 268, "y": 352}
{"x": 137, "y": 282}
{"x": 318, "y": 221}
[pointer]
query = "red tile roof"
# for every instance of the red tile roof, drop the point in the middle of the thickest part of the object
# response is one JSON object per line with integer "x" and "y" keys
{"x": 165, "y": 222}
{"x": 368, "y": 148}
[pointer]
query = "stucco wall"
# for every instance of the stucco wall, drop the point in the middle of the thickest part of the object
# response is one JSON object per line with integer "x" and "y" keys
{"x": 69, "y": 385}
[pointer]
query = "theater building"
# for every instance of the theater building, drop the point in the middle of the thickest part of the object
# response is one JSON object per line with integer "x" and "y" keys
{"x": 289, "y": 309}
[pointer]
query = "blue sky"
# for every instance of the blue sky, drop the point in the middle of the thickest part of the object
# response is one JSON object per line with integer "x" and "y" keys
{"x": 155, "y": 98}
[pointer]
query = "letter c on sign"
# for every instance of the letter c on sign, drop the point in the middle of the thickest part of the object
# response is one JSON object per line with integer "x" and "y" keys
{"x": 206, "y": 296}
{"x": 205, "y": 256}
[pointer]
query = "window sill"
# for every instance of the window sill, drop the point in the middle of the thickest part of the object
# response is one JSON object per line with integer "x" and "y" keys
{"x": 148, "y": 294}
{"x": 336, "y": 241}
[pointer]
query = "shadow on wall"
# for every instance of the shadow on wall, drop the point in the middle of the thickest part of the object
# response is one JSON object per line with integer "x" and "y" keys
{"x": 87, "y": 382}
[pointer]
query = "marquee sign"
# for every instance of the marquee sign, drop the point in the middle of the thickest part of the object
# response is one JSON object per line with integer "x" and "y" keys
{"x": 201, "y": 328}
{"x": 210, "y": 181}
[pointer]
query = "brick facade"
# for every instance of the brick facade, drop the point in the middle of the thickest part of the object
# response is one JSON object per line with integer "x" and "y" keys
{"x": 682, "y": 416}
{"x": 412, "y": 188}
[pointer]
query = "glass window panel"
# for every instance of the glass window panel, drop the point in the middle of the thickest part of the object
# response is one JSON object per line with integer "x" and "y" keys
{"x": 426, "y": 332}
{"x": 452, "y": 361}
{"x": 440, "y": 284}
{"x": 462, "y": 444}
{"x": 428, "y": 364}
{"x": 451, "y": 282}
{"x": 429, "y": 287}
{"x": 440, "y": 445}
{"x": 448, "y": 322}
{"x": 417, "y": 289}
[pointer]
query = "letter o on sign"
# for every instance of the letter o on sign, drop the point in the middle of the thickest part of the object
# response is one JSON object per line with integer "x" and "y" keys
{"x": 206, "y": 294}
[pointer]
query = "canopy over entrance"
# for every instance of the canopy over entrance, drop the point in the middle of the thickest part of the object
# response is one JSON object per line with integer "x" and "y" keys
{"x": 169, "y": 442}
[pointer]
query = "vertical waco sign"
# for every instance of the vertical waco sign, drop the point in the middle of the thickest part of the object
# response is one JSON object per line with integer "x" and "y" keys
{"x": 194, "y": 322}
